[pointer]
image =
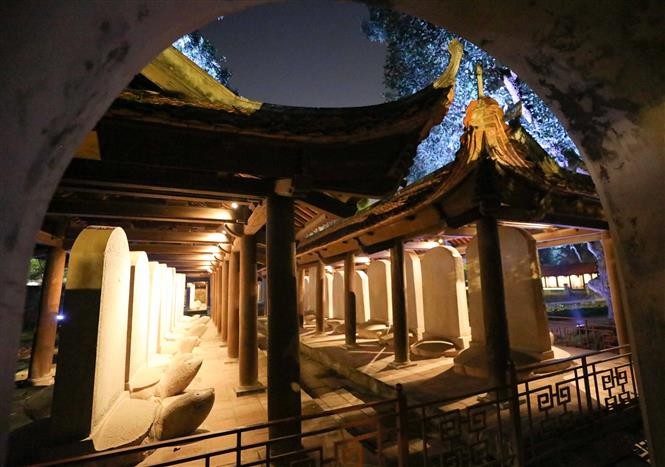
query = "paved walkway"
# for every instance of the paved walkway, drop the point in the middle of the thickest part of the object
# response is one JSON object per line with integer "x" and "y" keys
{"x": 321, "y": 391}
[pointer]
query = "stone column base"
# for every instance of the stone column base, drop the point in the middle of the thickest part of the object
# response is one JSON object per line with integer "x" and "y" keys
{"x": 473, "y": 361}
{"x": 399, "y": 365}
{"x": 246, "y": 390}
{"x": 42, "y": 381}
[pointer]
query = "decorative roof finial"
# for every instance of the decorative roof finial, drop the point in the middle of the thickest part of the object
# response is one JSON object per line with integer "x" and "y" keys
{"x": 479, "y": 79}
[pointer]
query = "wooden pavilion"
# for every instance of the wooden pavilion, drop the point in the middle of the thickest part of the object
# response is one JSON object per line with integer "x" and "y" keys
{"x": 200, "y": 178}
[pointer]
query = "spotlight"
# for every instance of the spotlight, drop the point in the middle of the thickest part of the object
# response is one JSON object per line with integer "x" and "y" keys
{"x": 234, "y": 205}
{"x": 60, "y": 317}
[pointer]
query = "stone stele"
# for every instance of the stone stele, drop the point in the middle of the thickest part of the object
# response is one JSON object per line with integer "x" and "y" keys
{"x": 93, "y": 336}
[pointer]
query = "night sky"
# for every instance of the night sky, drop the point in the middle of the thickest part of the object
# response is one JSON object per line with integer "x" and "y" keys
{"x": 304, "y": 53}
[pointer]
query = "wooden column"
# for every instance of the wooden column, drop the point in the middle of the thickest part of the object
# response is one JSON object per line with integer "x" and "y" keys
{"x": 220, "y": 297}
{"x": 283, "y": 331}
{"x": 213, "y": 295}
{"x": 248, "y": 364}
{"x": 224, "y": 290}
{"x": 43, "y": 344}
{"x": 301, "y": 296}
{"x": 349, "y": 301}
{"x": 400, "y": 325}
{"x": 233, "y": 306}
{"x": 494, "y": 303}
{"x": 320, "y": 277}
{"x": 615, "y": 289}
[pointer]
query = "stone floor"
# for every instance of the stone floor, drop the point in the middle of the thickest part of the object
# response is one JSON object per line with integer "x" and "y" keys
{"x": 423, "y": 379}
{"x": 321, "y": 392}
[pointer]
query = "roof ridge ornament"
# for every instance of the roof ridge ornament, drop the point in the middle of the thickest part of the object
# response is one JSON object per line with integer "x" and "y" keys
{"x": 449, "y": 75}
{"x": 479, "y": 80}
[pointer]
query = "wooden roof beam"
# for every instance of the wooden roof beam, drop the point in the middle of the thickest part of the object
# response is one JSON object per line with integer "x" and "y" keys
{"x": 139, "y": 179}
{"x": 181, "y": 258}
{"x": 141, "y": 211}
{"x": 311, "y": 226}
{"x": 165, "y": 236}
{"x": 169, "y": 249}
{"x": 47, "y": 239}
{"x": 329, "y": 205}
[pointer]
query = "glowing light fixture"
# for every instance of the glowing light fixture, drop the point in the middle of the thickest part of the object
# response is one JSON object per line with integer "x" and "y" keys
{"x": 219, "y": 237}
{"x": 234, "y": 205}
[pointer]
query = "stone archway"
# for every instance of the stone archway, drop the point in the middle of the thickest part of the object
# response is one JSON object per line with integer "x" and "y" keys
{"x": 600, "y": 71}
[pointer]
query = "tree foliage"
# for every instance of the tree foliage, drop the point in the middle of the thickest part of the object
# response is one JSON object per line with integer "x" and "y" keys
{"x": 37, "y": 268}
{"x": 416, "y": 56}
{"x": 202, "y": 52}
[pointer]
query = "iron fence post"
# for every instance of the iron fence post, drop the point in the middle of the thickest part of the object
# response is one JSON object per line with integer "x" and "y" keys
{"x": 587, "y": 386}
{"x": 402, "y": 429}
{"x": 515, "y": 419}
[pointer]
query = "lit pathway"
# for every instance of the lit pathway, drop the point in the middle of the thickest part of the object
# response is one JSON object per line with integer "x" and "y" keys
{"x": 230, "y": 411}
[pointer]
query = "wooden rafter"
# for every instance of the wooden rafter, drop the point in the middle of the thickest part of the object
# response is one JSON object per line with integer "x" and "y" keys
{"x": 140, "y": 211}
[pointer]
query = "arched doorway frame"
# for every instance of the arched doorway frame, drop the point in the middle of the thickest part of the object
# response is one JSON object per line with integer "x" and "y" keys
{"x": 64, "y": 63}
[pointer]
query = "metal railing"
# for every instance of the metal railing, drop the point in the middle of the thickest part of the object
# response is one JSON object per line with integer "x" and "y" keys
{"x": 545, "y": 408}
{"x": 584, "y": 333}
{"x": 586, "y": 391}
{"x": 516, "y": 425}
